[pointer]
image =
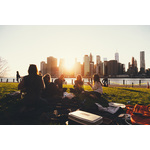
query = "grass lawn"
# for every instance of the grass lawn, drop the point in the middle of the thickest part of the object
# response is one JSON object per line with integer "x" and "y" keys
{"x": 124, "y": 95}
{"x": 8, "y": 106}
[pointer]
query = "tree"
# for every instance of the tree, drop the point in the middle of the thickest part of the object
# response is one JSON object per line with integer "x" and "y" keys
{"x": 3, "y": 66}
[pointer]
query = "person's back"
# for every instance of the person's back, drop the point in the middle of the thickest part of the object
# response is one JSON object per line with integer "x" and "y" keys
{"x": 32, "y": 86}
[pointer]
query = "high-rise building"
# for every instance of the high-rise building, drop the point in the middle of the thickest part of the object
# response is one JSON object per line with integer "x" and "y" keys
{"x": 132, "y": 68}
{"x": 117, "y": 56}
{"x": 142, "y": 62}
{"x": 43, "y": 67}
{"x": 61, "y": 66}
{"x": 91, "y": 68}
{"x": 112, "y": 68}
{"x": 77, "y": 69}
{"x": 105, "y": 70}
{"x": 91, "y": 58}
{"x": 86, "y": 65}
{"x": 98, "y": 59}
{"x": 52, "y": 68}
{"x": 133, "y": 62}
{"x": 91, "y": 65}
{"x": 99, "y": 69}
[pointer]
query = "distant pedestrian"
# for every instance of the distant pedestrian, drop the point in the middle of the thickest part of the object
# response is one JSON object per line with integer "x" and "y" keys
{"x": 105, "y": 81}
{"x": 17, "y": 76}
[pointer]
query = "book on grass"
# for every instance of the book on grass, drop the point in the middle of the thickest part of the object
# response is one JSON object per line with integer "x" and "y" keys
{"x": 85, "y": 118}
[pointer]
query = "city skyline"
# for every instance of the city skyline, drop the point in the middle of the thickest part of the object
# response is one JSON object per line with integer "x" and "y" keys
{"x": 110, "y": 68}
{"x": 24, "y": 45}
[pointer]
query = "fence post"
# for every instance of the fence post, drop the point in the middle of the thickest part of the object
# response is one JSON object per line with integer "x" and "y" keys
{"x": 139, "y": 82}
{"x": 7, "y": 80}
{"x": 148, "y": 85}
{"x": 132, "y": 84}
{"x": 13, "y": 80}
{"x": 123, "y": 82}
{"x": 1, "y": 80}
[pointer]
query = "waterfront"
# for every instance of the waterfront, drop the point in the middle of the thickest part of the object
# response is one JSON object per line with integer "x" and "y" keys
{"x": 111, "y": 81}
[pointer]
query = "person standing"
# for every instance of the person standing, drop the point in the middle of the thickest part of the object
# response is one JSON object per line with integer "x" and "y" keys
{"x": 17, "y": 76}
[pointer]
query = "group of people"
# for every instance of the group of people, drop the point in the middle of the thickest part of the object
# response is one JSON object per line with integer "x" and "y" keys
{"x": 37, "y": 88}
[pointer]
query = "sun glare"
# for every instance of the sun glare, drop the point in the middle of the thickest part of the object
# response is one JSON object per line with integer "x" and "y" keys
{"x": 69, "y": 63}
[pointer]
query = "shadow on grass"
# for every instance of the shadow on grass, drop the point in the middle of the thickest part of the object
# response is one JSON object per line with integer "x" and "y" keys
{"x": 137, "y": 91}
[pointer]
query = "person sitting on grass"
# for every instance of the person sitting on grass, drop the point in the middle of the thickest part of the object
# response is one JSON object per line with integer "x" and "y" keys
{"x": 78, "y": 84}
{"x": 97, "y": 88}
{"x": 78, "y": 87}
{"x": 32, "y": 85}
{"x": 51, "y": 90}
{"x": 59, "y": 83}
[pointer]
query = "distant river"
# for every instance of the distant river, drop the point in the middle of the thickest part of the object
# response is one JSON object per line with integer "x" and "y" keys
{"x": 112, "y": 81}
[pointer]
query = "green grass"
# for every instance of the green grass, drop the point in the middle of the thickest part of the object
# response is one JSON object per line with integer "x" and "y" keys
{"x": 124, "y": 95}
{"x": 6, "y": 88}
{"x": 8, "y": 106}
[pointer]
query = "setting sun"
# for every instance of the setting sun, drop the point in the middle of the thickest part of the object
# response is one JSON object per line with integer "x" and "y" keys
{"x": 69, "y": 63}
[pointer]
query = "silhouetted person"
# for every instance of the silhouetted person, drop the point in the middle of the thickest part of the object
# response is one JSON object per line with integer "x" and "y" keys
{"x": 78, "y": 87}
{"x": 17, "y": 76}
{"x": 59, "y": 83}
{"x": 51, "y": 89}
{"x": 32, "y": 85}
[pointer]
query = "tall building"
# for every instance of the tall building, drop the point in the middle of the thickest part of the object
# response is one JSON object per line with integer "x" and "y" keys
{"x": 91, "y": 68}
{"x": 117, "y": 56}
{"x": 99, "y": 66}
{"x": 132, "y": 68}
{"x": 112, "y": 68}
{"x": 86, "y": 65}
{"x": 52, "y": 68}
{"x": 98, "y": 59}
{"x": 91, "y": 65}
{"x": 91, "y": 58}
{"x": 77, "y": 69}
{"x": 61, "y": 66}
{"x": 43, "y": 67}
{"x": 142, "y": 62}
{"x": 105, "y": 70}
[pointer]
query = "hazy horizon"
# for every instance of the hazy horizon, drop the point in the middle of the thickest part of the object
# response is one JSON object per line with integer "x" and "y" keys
{"x": 22, "y": 45}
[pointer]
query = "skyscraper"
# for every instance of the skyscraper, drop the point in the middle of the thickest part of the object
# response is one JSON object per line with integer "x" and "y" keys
{"x": 91, "y": 65}
{"x": 91, "y": 57}
{"x": 98, "y": 59}
{"x": 43, "y": 67}
{"x": 142, "y": 62}
{"x": 61, "y": 66}
{"x": 52, "y": 66}
{"x": 86, "y": 65}
{"x": 117, "y": 56}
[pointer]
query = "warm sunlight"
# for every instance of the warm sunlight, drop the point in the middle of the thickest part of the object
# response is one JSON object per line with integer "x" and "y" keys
{"x": 69, "y": 63}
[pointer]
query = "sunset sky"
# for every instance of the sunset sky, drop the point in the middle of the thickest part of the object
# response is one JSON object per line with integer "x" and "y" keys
{"x": 24, "y": 45}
